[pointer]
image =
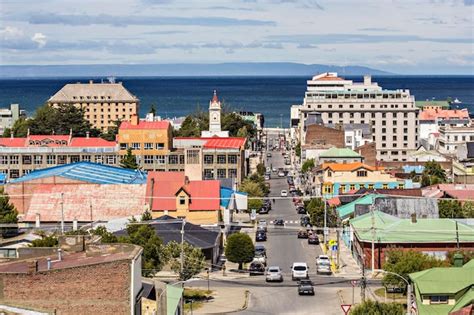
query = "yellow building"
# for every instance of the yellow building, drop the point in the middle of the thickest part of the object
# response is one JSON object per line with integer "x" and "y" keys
{"x": 151, "y": 142}
{"x": 103, "y": 103}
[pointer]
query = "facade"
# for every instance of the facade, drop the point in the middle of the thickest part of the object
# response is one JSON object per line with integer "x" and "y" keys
{"x": 152, "y": 144}
{"x": 98, "y": 279}
{"x": 423, "y": 105}
{"x": 357, "y": 135}
{"x": 446, "y": 290}
{"x": 8, "y": 116}
{"x": 19, "y": 156}
{"x": 431, "y": 119}
{"x": 336, "y": 178}
{"x": 215, "y": 119}
{"x": 172, "y": 193}
{"x": 336, "y": 155}
{"x": 450, "y": 138}
{"x": 435, "y": 237}
{"x": 103, "y": 103}
{"x": 391, "y": 113}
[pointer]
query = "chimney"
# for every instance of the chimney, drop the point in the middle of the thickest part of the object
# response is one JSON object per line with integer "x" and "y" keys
{"x": 367, "y": 80}
{"x": 458, "y": 260}
{"x": 33, "y": 267}
{"x": 37, "y": 221}
{"x": 74, "y": 224}
{"x": 87, "y": 134}
{"x": 186, "y": 180}
{"x": 134, "y": 120}
{"x": 413, "y": 218}
{"x": 91, "y": 81}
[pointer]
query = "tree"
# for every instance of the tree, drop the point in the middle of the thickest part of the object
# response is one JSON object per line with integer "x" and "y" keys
{"x": 193, "y": 262}
{"x": 152, "y": 110}
{"x": 433, "y": 174}
{"x": 260, "y": 169}
{"x": 189, "y": 128}
{"x": 129, "y": 160}
{"x": 467, "y": 255}
{"x": 45, "y": 241}
{"x": 468, "y": 209}
{"x": 298, "y": 150}
{"x": 315, "y": 209}
{"x": 239, "y": 249}
{"x": 450, "y": 209}
{"x": 106, "y": 236}
{"x": 307, "y": 165}
{"x": 19, "y": 128}
{"x": 112, "y": 132}
{"x": 405, "y": 262}
{"x": 8, "y": 215}
{"x": 254, "y": 191}
{"x": 146, "y": 216}
{"x": 370, "y": 307}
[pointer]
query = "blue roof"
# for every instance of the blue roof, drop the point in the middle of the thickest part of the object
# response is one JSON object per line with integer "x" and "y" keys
{"x": 226, "y": 193}
{"x": 88, "y": 172}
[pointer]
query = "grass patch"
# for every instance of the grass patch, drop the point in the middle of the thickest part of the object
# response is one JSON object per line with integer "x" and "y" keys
{"x": 393, "y": 296}
{"x": 195, "y": 298}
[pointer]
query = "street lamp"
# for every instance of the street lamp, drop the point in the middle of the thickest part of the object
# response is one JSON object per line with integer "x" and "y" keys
{"x": 406, "y": 281}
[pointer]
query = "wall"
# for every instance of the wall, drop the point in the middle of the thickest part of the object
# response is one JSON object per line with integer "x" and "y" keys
{"x": 96, "y": 289}
{"x": 317, "y": 134}
{"x": 193, "y": 216}
{"x": 143, "y": 136}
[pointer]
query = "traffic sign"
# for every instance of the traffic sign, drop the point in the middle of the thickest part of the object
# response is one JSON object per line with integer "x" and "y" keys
{"x": 346, "y": 308}
{"x": 354, "y": 283}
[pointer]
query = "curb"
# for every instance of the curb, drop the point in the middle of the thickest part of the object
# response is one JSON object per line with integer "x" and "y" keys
{"x": 245, "y": 306}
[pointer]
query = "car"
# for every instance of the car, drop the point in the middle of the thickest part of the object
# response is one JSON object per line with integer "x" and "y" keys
{"x": 305, "y": 287}
{"x": 261, "y": 249}
{"x": 323, "y": 268}
{"x": 323, "y": 259}
{"x": 287, "y": 162}
{"x": 267, "y": 203}
{"x": 274, "y": 273}
{"x": 268, "y": 169}
{"x": 260, "y": 236}
{"x": 279, "y": 222}
{"x": 313, "y": 239}
{"x": 281, "y": 174}
{"x": 267, "y": 177}
{"x": 303, "y": 234}
{"x": 264, "y": 210}
{"x": 274, "y": 169}
{"x": 269, "y": 154}
{"x": 284, "y": 193}
{"x": 299, "y": 270}
{"x": 305, "y": 220}
{"x": 301, "y": 210}
{"x": 263, "y": 223}
{"x": 261, "y": 258}
{"x": 256, "y": 268}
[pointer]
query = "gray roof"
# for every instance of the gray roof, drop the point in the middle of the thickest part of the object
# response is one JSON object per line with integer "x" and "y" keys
{"x": 89, "y": 91}
{"x": 366, "y": 128}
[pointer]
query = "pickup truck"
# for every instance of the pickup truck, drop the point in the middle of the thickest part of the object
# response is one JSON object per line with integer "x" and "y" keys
{"x": 305, "y": 287}
{"x": 323, "y": 265}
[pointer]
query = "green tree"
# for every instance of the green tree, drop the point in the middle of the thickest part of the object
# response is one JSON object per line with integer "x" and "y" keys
{"x": 8, "y": 214}
{"x": 405, "y": 262}
{"x": 234, "y": 123}
{"x": 467, "y": 255}
{"x": 239, "y": 249}
{"x": 370, "y": 307}
{"x": 450, "y": 209}
{"x": 189, "y": 128}
{"x": 45, "y": 241}
{"x": 433, "y": 174}
{"x": 20, "y": 128}
{"x": 193, "y": 262}
{"x": 7, "y": 133}
{"x": 146, "y": 216}
{"x": 298, "y": 150}
{"x": 315, "y": 209}
{"x": 307, "y": 165}
{"x": 112, "y": 132}
{"x": 106, "y": 236}
{"x": 254, "y": 191}
{"x": 468, "y": 209}
{"x": 129, "y": 160}
{"x": 260, "y": 169}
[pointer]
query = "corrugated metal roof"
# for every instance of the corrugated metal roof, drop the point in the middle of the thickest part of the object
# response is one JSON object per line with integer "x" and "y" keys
{"x": 89, "y": 172}
{"x": 339, "y": 153}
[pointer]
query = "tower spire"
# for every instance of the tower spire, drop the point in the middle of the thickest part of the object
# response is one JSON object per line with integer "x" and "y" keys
{"x": 215, "y": 99}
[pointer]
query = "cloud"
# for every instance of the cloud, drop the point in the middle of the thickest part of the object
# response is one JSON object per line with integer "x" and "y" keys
{"x": 10, "y": 32}
{"x": 40, "y": 39}
{"x": 377, "y": 29}
{"x": 462, "y": 59}
{"x": 105, "y": 19}
{"x": 361, "y": 39}
{"x": 307, "y": 46}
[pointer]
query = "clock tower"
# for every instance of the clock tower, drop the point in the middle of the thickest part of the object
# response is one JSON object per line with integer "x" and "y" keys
{"x": 215, "y": 119}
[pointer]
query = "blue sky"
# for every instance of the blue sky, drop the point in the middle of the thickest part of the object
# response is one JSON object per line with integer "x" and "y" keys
{"x": 402, "y": 36}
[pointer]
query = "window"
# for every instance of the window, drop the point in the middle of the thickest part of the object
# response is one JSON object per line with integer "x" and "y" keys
{"x": 51, "y": 159}
{"x": 221, "y": 173}
{"x": 232, "y": 173}
{"x": 14, "y": 173}
{"x": 384, "y": 186}
{"x": 148, "y": 159}
{"x": 361, "y": 173}
{"x": 439, "y": 299}
{"x": 173, "y": 159}
{"x": 401, "y": 186}
{"x": 26, "y": 159}
{"x": 192, "y": 157}
{"x": 111, "y": 159}
{"x": 348, "y": 139}
{"x": 14, "y": 159}
{"x": 148, "y": 146}
{"x": 181, "y": 159}
{"x": 208, "y": 174}
{"x": 136, "y": 146}
{"x": 327, "y": 189}
{"x": 160, "y": 146}
{"x": 161, "y": 159}
{"x": 182, "y": 200}
{"x": 371, "y": 186}
{"x": 73, "y": 158}
{"x": 3, "y": 160}
{"x": 232, "y": 159}
{"x": 208, "y": 159}
{"x": 221, "y": 159}
{"x": 352, "y": 187}
{"x": 98, "y": 159}
{"x": 86, "y": 158}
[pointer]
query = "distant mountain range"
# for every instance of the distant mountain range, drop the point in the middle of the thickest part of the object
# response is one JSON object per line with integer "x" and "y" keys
{"x": 182, "y": 69}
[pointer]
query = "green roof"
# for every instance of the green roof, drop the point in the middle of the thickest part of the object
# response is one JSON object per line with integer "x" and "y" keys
{"x": 346, "y": 210}
{"x": 469, "y": 264}
{"x": 339, "y": 153}
{"x": 390, "y": 229}
{"x": 467, "y": 298}
{"x": 447, "y": 280}
{"x": 443, "y": 104}
{"x": 173, "y": 297}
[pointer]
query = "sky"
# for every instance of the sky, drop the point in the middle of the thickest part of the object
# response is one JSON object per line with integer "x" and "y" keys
{"x": 400, "y": 36}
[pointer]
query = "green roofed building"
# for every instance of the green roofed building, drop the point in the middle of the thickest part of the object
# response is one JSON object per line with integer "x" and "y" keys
{"x": 440, "y": 291}
{"x": 431, "y": 236}
{"x": 340, "y": 155}
{"x": 345, "y": 211}
{"x": 432, "y": 104}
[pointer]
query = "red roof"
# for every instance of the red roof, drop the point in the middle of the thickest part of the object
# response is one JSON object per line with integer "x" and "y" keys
{"x": 433, "y": 114}
{"x": 91, "y": 142}
{"x": 215, "y": 99}
{"x": 334, "y": 201}
{"x": 224, "y": 143}
{"x": 204, "y": 195}
{"x": 126, "y": 125}
{"x": 50, "y": 137}
{"x": 12, "y": 142}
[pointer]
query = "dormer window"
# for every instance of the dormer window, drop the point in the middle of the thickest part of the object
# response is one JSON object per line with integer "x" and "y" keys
{"x": 182, "y": 200}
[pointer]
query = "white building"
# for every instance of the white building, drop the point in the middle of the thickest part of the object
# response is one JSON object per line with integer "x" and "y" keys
{"x": 215, "y": 120}
{"x": 450, "y": 138}
{"x": 391, "y": 113}
{"x": 8, "y": 116}
{"x": 431, "y": 119}
{"x": 356, "y": 135}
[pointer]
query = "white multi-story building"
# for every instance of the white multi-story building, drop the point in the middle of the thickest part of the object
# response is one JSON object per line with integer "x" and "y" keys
{"x": 391, "y": 113}
{"x": 8, "y": 116}
{"x": 451, "y": 138}
{"x": 356, "y": 135}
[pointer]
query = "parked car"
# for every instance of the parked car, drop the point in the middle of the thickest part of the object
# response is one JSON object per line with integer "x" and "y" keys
{"x": 305, "y": 287}
{"x": 269, "y": 169}
{"x": 274, "y": 169}
{"x": 279, "y": 222}
{"x": 269, "y": 154}
{"x": 323, "y": 259}
{"x": 261, "y": 258}
{"x": 287, "y": 162}
{"x": 299, "y": 270}
{"x": 323, "y": 268}
{"x": 274, "y": 273}
{"x": 260, "y": 236}
{"x": 256, "y": 268}
{"x": 300, "y": 210}
{"x": 305, "y": 220}
{"x": 262, "y": 223}
{"x": 281, "y": 174}
{"x": 263, "y": 210}
{"x": 267, "y": 203}
{"x": 302, "y": 234}
{"x": 261, "y": 249}
{"x": 267, "y": 177}
{"x": 313, "y": 239}
{"x": 284, "y": 193}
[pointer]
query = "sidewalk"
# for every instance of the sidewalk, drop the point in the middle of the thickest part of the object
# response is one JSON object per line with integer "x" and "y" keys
{"x": 348, "y": 265}
{"x": 226, "y": 300}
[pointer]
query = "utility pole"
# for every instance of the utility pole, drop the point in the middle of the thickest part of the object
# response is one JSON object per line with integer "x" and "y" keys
{"x": 362, "y": 282}
{"x": 373, "y": 235}
{"x": 338, "y": 248}
{"x": 183, "y": 222}
{"x": 90, "y": 208}
{"x": 457, "y": 235}
{"x": 62, "y": 213}
{"x": 325, "y": 222}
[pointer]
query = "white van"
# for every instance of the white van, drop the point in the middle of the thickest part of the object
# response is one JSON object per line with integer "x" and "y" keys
{"x": 299, "y": 270}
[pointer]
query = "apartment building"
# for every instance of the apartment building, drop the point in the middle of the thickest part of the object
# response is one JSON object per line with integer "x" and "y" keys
{"x": 392, "y": 114}
{"x": 8, "y": 116}
{"x": 103, "y": 103}
{"x": 19, "y": 156}
{"x": 452, "y": 137}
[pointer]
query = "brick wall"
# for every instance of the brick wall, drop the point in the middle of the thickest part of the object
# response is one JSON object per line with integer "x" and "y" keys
{"x": 95, "y": 289}
{"x": 369, "y": 153}
{"x": 320, "y": 135}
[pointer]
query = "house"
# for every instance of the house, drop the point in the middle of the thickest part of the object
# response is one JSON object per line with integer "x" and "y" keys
{"x": 444, "y": 290}
{"x": 339, "y": 155}
{"x": 423, "y": 155}
{"x": 356, "y": 135}
{"x": 432, "y": 104}
{"x": 337, "y": 178}
{"x": 461, "y": 192}
{"x": 173, "y": 193}
{"x": 81, "y": 191}
{"x": 431, "y": 119}
{"x": 90, "y": 279}
{"x": 431, "y": 236}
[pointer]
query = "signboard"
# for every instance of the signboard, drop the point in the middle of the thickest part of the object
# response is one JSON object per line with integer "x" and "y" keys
{"x": 253, "y": 215}
{"x": 354, "y": 283}
{"x": 346, "y": 308}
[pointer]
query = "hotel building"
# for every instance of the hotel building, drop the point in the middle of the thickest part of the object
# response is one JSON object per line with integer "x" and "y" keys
{"x": 103, "y": 103}
{"x": 392, "y": 114}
